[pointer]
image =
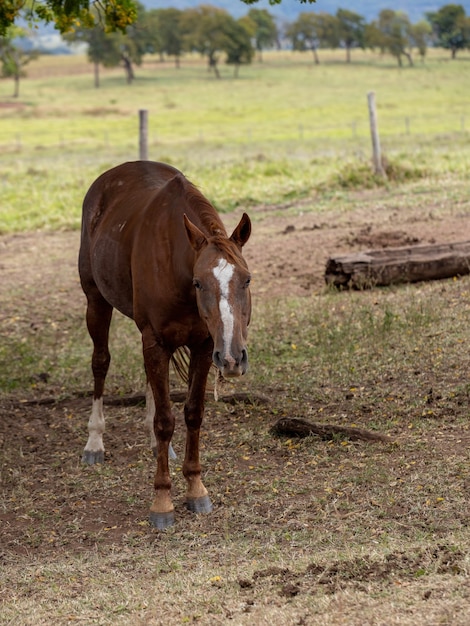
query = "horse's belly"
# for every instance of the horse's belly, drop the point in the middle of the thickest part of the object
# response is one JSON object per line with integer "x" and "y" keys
{"x": 112, "y": 275}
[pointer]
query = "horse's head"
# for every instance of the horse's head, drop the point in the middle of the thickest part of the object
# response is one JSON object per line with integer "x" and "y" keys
{"x": 221, "y": 279}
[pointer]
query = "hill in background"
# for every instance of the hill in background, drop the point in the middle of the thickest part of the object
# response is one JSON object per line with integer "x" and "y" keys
{"x": 289, "y": 9}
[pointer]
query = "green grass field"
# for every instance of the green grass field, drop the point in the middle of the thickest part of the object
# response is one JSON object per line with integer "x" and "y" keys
{"x": 282, "y": 130}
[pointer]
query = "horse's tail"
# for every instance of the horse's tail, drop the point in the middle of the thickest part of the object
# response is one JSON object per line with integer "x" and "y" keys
{"x": 180, "y": 361}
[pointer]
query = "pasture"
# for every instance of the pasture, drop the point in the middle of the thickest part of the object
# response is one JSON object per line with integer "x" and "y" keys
{"x": 304, "y": 531}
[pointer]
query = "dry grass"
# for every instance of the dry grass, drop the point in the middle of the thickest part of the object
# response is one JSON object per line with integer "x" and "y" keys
{"x": 303, "y": 531}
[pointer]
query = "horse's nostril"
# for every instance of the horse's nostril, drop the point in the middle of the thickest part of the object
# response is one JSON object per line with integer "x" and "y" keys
{"x": 217, "y": 359}
{"x": 244, "y": 361}
{"x": 229, "y": 365}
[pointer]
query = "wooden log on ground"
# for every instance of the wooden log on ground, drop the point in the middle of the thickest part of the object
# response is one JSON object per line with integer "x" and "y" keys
{"x": 298, "y": 427}
{"x": 391, "y": 266}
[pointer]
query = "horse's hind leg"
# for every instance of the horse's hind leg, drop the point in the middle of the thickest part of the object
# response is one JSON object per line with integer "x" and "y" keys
{"x": 98, "y": 317}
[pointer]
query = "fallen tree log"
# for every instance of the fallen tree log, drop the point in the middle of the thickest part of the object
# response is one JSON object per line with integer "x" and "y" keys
{"x": 389, "y": 266}
{"x": 298, "y": 427}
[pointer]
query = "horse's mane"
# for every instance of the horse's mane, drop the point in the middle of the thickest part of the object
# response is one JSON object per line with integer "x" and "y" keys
{"x": 210, "y": 221}
{"x": 227, "y": 248}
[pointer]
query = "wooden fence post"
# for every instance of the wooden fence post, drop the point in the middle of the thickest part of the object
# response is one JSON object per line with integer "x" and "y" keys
{"x": 374, "y": 131}
{"x": 143, "y": 135}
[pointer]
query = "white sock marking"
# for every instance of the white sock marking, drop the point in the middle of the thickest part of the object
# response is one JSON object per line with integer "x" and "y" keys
{"x": 96, "y": 426}
{"x": 150, "y": 412}
{"x": 223, "y": 273}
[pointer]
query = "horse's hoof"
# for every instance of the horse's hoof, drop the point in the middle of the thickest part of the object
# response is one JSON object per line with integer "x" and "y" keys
{"x": 199, "y": 505}
{"x": 91, "y": 457}
{"x": 162, "y": 520}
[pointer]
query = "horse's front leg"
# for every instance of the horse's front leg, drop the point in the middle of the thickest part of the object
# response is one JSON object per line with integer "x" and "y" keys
{"x": 197, "y": 498}
{"x": 157, "y": 361}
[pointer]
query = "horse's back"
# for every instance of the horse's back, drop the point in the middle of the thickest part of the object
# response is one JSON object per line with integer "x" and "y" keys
{"x": 129, "y": 213}
{"x": 123, "y": 189}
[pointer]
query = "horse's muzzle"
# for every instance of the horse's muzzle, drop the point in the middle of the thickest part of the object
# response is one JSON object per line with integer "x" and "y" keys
{"x": 229, "y": 366}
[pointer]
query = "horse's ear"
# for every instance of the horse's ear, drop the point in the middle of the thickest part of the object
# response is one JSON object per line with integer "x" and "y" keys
{"x": 196, "y": 237}
{"x": 242, "y": 232}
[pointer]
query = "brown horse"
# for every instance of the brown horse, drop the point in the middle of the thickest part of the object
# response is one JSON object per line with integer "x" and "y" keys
{"x": 153, "y": 247}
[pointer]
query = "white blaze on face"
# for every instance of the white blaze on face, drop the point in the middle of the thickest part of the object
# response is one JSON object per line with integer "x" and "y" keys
{"x": 223, "y": 273}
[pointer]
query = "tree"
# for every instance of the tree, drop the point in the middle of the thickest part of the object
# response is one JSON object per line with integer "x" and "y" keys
{"x": 391, "y": 32}
{"x": 115, "y": 48}
{"x": 350, "y": 30}
{"x": 327, "y": 28}
{"x": 238, "y": 45}
{"x": 311, "y": 31}
{"x": 451, "y": 27}
{"x": 99, "y": 46}
{"x": 421, "y": 36}
{"x": 135, "y": 42}
{"x": 265, "y": 33}
{"x": 13, "y": 59}
{"x": 303, "y": 34}
{"x": 165, "y": 34}
{"x": 373, "y": 38}
{"x": 205, "y": 31}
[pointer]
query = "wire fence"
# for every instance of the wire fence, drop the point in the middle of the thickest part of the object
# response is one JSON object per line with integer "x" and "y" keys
{"x": 123, "y": 133}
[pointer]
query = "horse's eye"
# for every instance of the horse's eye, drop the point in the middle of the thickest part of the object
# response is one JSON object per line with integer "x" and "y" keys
{"x": 247, "y": 282}
{"x": 197, "y": 283}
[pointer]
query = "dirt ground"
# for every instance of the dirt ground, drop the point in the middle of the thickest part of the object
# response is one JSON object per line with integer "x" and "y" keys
{"x": 287, "y": 255}
{"x": 308, "y": 531}
{"x": 287, "y": 252}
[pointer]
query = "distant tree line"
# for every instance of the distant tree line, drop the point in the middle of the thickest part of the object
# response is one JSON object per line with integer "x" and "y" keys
{"x": 112, "y": 14}
{"x": 207, "y": 30}
{"x": 215, "y": 34}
